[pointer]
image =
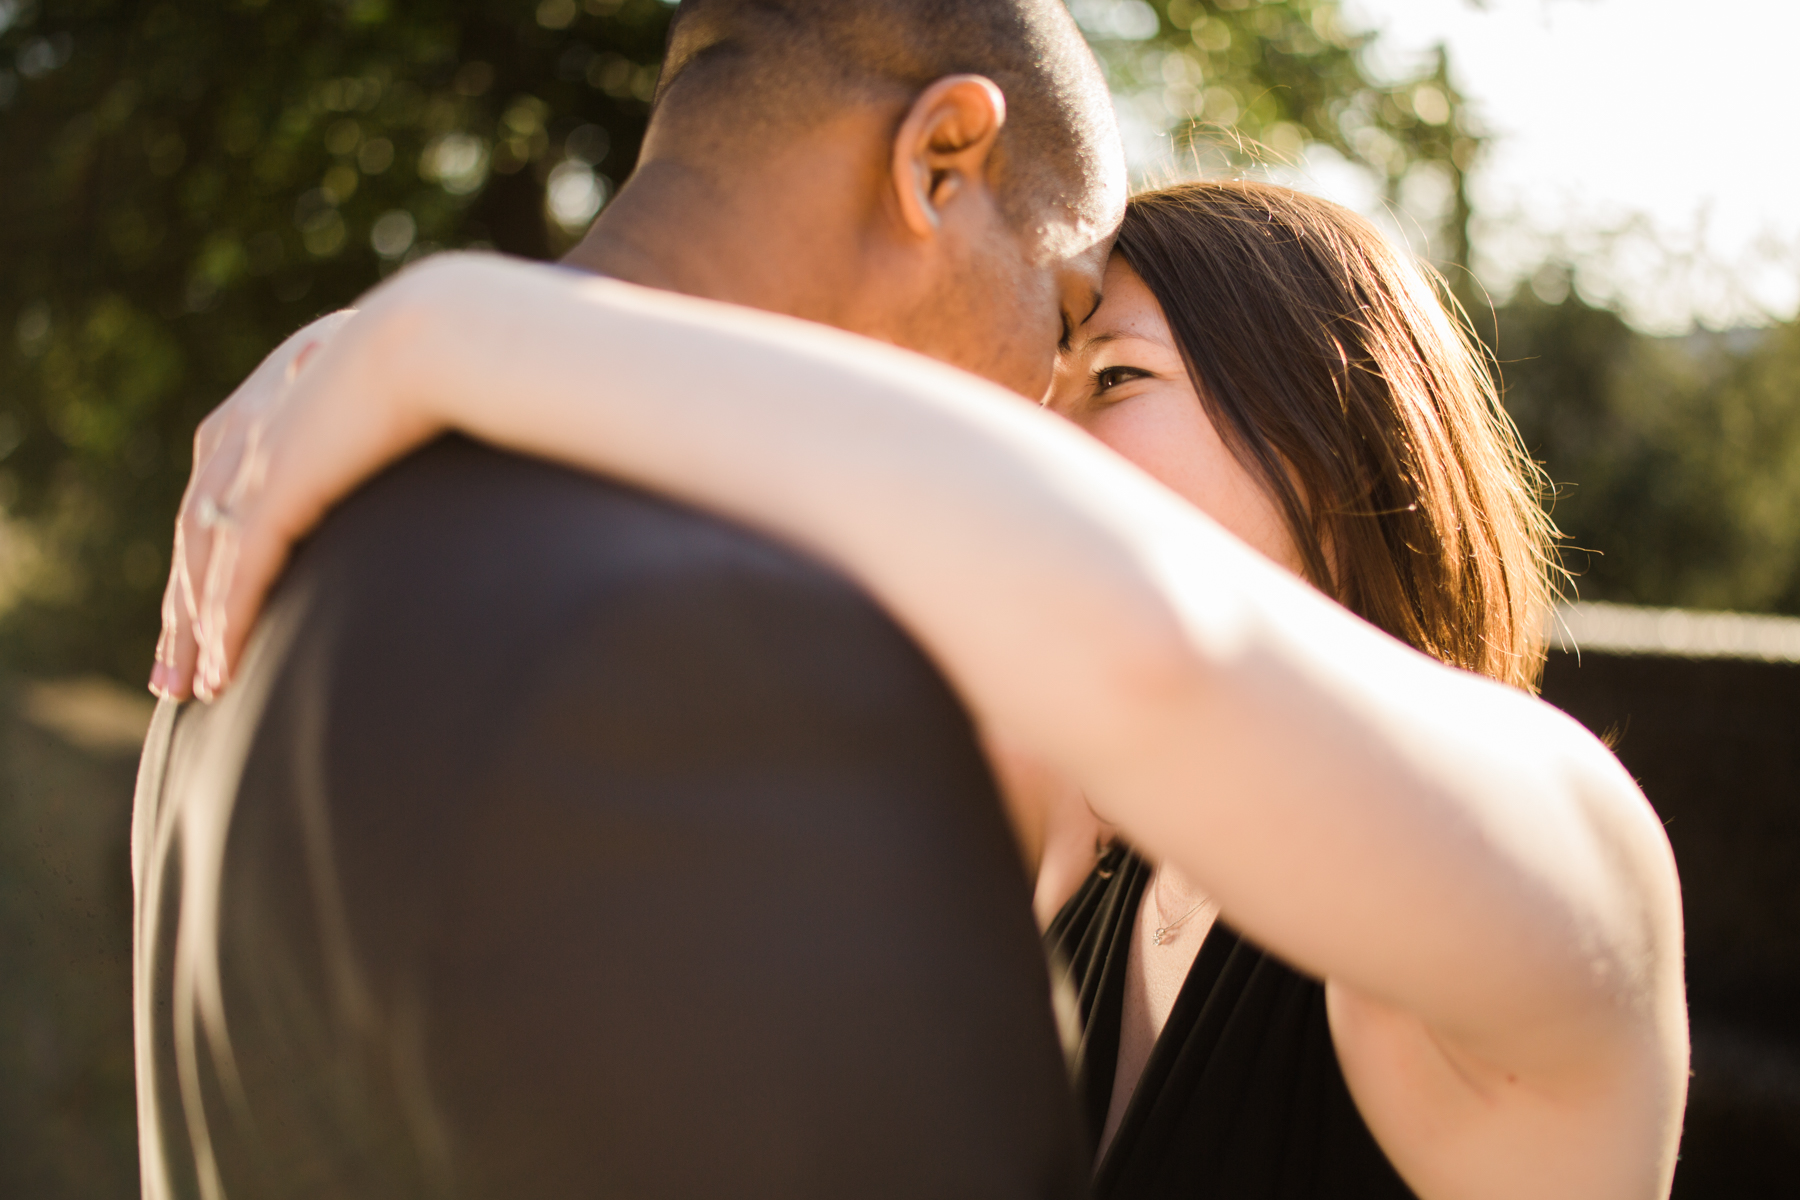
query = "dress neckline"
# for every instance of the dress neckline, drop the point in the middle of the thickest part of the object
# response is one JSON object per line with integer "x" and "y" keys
{"x": 1098, "y": 1064}
{"x": 1241, "y": 1095}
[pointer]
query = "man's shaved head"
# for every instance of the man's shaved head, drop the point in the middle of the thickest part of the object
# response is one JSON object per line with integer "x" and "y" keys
{"x": 941, "y": 175}
{"x": 742, "y": 70}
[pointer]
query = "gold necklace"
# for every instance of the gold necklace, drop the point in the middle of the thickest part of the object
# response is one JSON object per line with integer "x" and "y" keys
{"x": 1162, "y": 932}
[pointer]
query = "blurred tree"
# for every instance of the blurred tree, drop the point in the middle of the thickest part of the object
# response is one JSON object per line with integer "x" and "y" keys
{"x": 192, "y": 180}
{"x": 1255, "y": 83}
{"x": 1677, "y": 459}
{"x": 188, "y": 182}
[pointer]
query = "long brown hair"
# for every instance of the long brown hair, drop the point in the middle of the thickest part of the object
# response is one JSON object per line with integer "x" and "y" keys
{"x": 1345, "y": 378}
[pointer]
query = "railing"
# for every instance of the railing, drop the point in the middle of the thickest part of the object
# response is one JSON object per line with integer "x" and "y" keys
{"x": 1674, "y": 632}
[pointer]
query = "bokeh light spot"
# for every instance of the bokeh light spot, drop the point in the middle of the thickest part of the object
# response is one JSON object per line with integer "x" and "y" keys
{"x": 574, "y": 194}
{"x": 392, "y": 234}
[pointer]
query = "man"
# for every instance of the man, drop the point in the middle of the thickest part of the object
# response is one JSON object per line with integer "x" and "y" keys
{"x": 558, "y": 841}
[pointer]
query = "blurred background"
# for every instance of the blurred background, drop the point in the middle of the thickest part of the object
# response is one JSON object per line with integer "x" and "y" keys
{"x": 1602, "y": 182}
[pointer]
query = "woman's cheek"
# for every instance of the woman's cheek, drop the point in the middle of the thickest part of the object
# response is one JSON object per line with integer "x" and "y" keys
{"x": 1174, "y": 442}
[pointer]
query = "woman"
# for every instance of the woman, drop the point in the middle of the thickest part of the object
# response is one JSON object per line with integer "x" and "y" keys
{"x": 1317, "y": 399}
{"x": 1489, "y": 902}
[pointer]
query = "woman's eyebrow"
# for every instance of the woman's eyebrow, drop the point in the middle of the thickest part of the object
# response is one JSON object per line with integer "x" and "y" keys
{"x": 1103, "y": 339}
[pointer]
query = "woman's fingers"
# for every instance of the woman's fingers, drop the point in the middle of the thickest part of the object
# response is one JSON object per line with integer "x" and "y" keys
{"x": 349, "y": 408}
{"x": 313, "y": 449}
{"x": 219, "y": 447}
{"x": 247, "y": 555}
{"x": 325, "y": 434}
{"x": 247, "y": 559}
{"x": 210, "y": 674}
{"x": 177, "y": 649}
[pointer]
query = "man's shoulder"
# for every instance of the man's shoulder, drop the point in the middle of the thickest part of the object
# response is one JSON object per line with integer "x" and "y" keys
{"x": 469, "y": 569}
{"x": 459, "y": 519}
{"x": 469, "y": 591}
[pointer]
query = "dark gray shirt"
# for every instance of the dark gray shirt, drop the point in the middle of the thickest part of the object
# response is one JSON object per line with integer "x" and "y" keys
{"x": 583, "y": 845}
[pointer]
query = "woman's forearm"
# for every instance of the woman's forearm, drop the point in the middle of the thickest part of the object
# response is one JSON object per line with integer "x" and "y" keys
{"x": 920, "y": 481}
{"x": 1432, "y": 839}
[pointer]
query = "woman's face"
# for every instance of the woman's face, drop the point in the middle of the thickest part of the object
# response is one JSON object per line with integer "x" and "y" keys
{"x": 1123, "y": 380}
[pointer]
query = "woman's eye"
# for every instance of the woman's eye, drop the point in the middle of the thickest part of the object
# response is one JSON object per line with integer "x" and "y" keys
{"x": 1112, "y": 377}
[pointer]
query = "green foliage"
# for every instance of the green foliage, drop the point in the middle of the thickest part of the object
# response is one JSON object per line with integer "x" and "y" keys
{"x": 1248, "y": 82}
{"x": 188, "y": 182}
{"x": 1677, "y": 459}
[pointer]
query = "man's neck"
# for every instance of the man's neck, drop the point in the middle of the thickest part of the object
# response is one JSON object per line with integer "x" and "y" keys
{"x": 675, "y": 228}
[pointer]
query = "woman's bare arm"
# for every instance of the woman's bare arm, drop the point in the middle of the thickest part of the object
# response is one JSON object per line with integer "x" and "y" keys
{"x": 1479, "y": 881}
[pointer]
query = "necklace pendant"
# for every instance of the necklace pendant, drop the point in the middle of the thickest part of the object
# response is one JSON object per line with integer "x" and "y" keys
{"x": 1157, "y": 937}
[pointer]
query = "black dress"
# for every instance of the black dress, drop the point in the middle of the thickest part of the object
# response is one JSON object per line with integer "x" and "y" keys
{"x": 1242, "y": 1096}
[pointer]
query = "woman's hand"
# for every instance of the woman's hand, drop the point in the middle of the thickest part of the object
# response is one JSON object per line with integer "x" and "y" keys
{"x": 220, "y": 444}
{"x": 320, "y": 415}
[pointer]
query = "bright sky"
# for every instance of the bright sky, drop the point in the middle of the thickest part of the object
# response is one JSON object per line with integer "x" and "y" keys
{"x": 1672, "y": 116}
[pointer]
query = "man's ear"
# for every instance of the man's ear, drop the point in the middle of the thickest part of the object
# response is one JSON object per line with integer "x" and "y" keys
{"x": 943, "y": 147}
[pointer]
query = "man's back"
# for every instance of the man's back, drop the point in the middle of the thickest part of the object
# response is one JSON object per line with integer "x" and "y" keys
{"x": 582, "y": 845}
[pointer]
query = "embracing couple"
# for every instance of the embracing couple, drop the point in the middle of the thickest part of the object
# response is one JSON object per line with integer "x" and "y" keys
{"x": 651, "y": 695}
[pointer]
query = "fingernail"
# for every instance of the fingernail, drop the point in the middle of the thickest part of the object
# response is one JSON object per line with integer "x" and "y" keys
{"x": 162, "y": 681}
{"x": 212, "y": 675}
